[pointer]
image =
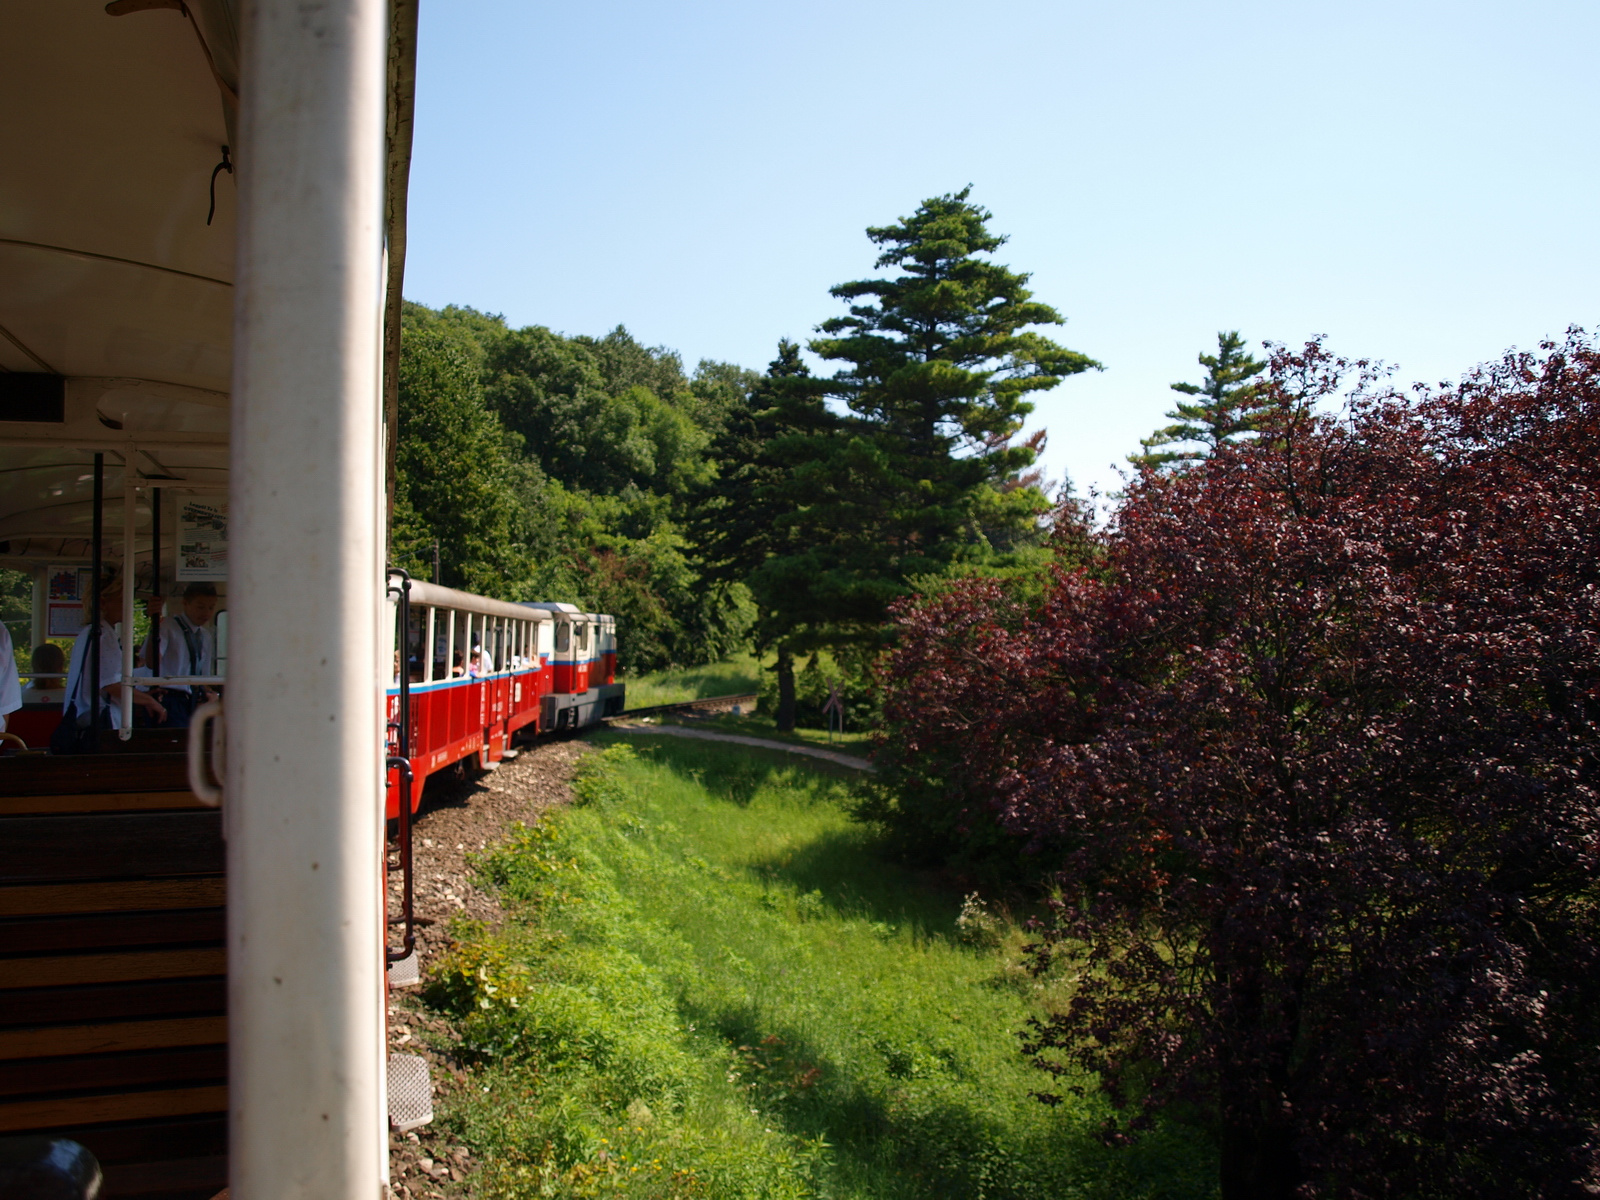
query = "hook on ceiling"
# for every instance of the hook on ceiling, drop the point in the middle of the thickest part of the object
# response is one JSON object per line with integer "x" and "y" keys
{"x": 224, "y": 165}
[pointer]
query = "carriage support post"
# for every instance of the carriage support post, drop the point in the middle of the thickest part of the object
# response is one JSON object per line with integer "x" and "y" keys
{"x": 308, "y": 659}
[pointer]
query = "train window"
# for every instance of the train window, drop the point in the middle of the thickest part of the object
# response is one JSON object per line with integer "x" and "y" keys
{"x": 583, "y": 635}
{"x": 220, "y": 623}
{"x": 460, "y": 645}
{"x": 563, "y": 638}
{"x": 415, "y": 644}
{"x": 439, "y": 639}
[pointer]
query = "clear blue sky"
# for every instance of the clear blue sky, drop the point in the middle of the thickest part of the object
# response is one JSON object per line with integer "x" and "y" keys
{"x": 1418, "y": 181}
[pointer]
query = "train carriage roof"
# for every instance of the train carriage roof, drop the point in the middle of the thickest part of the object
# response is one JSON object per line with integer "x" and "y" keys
{"x": 115, "y": 294}
{"x": 116, "y": 277}
{"x": 444, "y": 597}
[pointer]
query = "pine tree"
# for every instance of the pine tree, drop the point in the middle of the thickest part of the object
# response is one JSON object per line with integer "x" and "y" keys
{"x": 1226, "y": 409}
{"x": 746, "y": 517}
{"x": 939, "y": 364}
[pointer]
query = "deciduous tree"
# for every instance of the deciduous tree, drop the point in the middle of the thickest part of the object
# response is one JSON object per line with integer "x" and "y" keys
{"x": 458, "y": 471}
{"x": 1315, "y": 749}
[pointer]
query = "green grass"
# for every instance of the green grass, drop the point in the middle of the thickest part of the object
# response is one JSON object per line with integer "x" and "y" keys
{"x": 714, "y": 986}
{"x": 733, "y": 675}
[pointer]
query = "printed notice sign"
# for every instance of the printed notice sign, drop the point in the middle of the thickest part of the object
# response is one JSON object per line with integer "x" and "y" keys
{"x": 66, "y": 588}
{"x": 202, "y": 540}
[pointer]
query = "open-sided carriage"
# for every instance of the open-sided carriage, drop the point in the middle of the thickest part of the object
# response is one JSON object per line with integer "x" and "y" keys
{"x": 201, "y": 241}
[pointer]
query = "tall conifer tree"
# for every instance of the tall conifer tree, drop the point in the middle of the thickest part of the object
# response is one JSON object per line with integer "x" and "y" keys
{"x": 1226, "y": 409}
{"x": 939, "y": 364}
{"x": 749, "y": 515}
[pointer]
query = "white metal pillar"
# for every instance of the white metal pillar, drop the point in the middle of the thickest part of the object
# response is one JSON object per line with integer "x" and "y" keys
{"x": 303, "y": 802}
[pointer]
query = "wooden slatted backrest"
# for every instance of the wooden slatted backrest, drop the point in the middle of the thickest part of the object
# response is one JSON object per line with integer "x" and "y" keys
{"x": 113, "y": 992}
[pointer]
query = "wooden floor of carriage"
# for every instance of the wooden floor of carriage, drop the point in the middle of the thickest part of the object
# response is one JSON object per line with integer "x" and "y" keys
{"x": 113, "y": 1027}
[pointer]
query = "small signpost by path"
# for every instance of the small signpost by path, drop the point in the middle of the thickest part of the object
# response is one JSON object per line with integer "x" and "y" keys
{"x": 834, "y": 707}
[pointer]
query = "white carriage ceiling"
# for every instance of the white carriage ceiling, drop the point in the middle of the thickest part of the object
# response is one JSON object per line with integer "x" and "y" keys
{"x": 109, "y": 274}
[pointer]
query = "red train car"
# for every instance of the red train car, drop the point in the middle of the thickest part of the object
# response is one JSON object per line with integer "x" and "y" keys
{"x": 481, "y": 671}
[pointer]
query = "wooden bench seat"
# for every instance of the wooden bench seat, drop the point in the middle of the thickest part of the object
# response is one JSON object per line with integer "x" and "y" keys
{"x": 113, "y": 988}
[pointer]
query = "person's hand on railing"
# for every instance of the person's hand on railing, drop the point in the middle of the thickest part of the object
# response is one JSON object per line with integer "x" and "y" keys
{"x": 150, "y": 704}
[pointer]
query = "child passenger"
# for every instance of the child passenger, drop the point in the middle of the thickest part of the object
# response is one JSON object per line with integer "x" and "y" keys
{"x": 187, "y": 647}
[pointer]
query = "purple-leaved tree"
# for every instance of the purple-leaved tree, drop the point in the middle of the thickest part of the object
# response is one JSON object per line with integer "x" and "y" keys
{"x": 1312, "y": 744}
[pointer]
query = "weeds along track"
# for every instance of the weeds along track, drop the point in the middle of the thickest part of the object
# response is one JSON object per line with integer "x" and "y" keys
{"x": 460, "y": 817}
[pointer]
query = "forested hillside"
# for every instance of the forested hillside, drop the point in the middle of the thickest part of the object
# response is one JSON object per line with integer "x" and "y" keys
{"x": 541, "y": 466}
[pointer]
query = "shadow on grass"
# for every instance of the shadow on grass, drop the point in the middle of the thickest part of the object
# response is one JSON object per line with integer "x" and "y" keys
{"x": 849, "y": 867}
{"x": 892, "y": 1139}
{"x": 900, "y": 1124}
{"x": 733, "y": 772}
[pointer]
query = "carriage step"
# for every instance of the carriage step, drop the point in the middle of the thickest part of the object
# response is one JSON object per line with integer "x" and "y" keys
{"x": 410, "y": 1092}
{"x": 406, "y": 972}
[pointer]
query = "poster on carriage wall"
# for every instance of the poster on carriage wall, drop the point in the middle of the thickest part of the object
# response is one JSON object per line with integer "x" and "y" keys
{"x": 202, "y": 540}
{"x": 66, "y": 588}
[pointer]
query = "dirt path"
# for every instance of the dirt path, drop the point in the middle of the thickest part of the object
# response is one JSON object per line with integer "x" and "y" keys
{"x": 833, "y": 756}
{"x": 457, "y": 820}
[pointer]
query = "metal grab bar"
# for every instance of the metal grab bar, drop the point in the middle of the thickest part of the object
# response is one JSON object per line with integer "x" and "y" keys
{"x": 208, "y": 714}
{"x": 408, "y": 911}
{"x": 402, "y": 763}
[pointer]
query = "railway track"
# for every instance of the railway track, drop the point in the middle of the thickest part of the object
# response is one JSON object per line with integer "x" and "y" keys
{"x": 744, "y": 702}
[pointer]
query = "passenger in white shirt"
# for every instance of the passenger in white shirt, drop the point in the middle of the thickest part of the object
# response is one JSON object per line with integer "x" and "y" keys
{"x": 110, "y": 665}
{"x": 10, "y": 680}
{"x": 481, "y": 663}
{"x": 187, "y": 647}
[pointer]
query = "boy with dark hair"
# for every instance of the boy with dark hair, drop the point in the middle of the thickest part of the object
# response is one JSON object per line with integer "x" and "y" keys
{"x": 186, "y": 647}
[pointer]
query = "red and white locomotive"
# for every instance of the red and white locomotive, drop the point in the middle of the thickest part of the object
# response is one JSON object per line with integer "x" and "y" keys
{"x": 473, "y": 673}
